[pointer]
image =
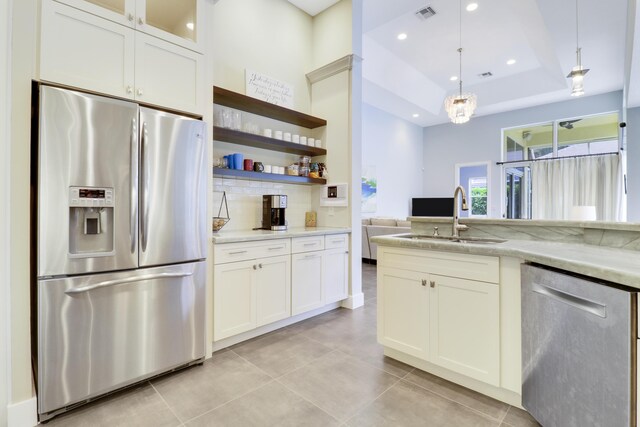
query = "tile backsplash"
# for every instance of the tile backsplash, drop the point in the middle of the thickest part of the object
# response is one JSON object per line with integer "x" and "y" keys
{"x": 244, "y": 198}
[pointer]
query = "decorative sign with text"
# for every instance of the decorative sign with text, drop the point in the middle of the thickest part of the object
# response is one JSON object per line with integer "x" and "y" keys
{"x": 268, "y": 89}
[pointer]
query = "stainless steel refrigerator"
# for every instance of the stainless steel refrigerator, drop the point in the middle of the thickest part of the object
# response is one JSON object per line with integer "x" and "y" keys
{"x": 121, "y": 243}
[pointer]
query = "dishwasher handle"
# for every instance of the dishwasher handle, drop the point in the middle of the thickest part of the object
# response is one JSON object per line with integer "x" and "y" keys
{"x": 592, "y": 307}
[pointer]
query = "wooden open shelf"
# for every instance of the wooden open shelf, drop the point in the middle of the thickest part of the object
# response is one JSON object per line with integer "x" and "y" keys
{"x": 256, "y": 106}
{"x": 261, "y": 176}
{"x": 259, "y": 141}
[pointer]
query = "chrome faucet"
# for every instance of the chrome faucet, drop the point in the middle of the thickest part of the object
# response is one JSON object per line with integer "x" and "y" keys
{"x": 457, "y": 228}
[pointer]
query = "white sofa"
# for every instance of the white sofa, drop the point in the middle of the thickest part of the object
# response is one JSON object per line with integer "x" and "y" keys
{"x": 379, "y": 227}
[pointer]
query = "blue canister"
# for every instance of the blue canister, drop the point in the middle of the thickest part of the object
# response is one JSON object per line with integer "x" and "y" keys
{"x": 238, "y": 161}
{"x": 229, "y": 158}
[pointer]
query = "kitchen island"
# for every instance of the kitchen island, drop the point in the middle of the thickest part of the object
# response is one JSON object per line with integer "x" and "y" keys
{"x": 453, "y": 308}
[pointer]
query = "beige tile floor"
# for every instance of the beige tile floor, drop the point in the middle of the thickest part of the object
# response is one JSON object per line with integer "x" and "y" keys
{"x": 324, "y": 371}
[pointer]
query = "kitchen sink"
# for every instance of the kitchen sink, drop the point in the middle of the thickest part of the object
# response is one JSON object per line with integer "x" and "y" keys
{"x": 478, "y": 240}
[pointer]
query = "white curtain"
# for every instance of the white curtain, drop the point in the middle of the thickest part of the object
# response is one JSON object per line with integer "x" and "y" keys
{"x": 559, "y": 185}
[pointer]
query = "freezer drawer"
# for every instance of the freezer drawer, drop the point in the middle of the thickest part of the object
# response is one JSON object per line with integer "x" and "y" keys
{"x": 101, "y": 332}
{"x": 578, "y": 350}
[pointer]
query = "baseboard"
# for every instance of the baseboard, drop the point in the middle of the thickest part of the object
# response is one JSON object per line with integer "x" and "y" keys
{"x": 23, "y": 414}
{"x": 354, "y": 301}
{"x": 507, "y": 396}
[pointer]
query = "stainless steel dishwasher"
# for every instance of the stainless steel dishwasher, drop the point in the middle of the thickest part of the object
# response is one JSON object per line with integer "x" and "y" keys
{"x": 578, "y": 350}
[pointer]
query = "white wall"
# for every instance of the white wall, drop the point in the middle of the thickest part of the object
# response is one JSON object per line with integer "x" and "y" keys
{"x": 272, "y": 37}
{"x": 332, "y": 34}
{"x": 395, "y": 148}
{"x": 633, "y": 164}
{"x": 5, "y": 249}
{"x": 480, "y": 140}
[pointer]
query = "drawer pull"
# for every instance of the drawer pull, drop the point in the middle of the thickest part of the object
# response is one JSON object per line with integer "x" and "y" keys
{"x": 312, "y": 256}
{"x": 338, "y": 241}
{"x": 237, "y": 252}
{"x": 255, "y": 267}
{"x": 311, "y": 244}
{"x": 260, "y": 265}
{"x": 424, "y": 282}
{"x": 432, "y": 284}
{"x": 276, "y": 248}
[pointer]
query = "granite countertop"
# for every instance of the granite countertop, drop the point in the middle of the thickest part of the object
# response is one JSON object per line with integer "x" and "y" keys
{"x": 605, "y": 263}
{"x": 252, "y": 235}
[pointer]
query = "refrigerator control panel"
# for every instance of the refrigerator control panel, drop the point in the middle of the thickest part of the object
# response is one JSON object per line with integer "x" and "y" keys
{"x": 87, "y": 197}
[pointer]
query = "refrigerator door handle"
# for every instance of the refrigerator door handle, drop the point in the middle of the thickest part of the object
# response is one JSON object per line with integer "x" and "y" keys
{"x": 144, "y": 205}
{"x": 108, "y": 283}
{"x": 134, "y": 186}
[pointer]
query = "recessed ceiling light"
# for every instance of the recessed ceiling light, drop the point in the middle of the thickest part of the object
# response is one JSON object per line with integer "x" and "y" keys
{"x": 453, "y": 78}
{"x": 402, "y": 36}
{"x": 471, "y": 7}
{"x": 511, "y": 62}
{"x": 416, "y": 115}
{"x": 190, "y": 26}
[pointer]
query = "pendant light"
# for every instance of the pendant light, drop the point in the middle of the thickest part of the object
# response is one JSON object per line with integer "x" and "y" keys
{"x": 460, "y": 107}
{"x": 577, "y": 73}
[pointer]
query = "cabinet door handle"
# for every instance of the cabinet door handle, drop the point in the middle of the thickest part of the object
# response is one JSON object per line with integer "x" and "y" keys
{"x": 424, "y": 282}
{"x": 432, "y": 283}
{"x": 260, "y": 265}
{"x": 129, "y": 90}
{"x": 140, "y": 21}
{"x": 130, "y": 17}
{"x": 255, "y": 267}
{"x": 140, "y": 92}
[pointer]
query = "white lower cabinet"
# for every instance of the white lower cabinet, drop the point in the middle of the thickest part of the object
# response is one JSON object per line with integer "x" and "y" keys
{"x": 82, "y": 50}
{"x": 403, "y": 311}
{"x": 257, "y": 283}
{"x": 273, "y": 289}
{"x": 336, "y": 275}
{"x": 234, "y": 299}
{"x": 249, "y": 294}
{"x": 307, "y": 291}
{"x": 452, "y": 322}
{"x": 464, "y": 328}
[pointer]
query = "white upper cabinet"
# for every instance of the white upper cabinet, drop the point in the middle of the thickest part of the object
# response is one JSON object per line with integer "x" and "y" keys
{"x": 176, "y": 21}
{"x": 167, "y": 75}
{"x": 82, "y": 50}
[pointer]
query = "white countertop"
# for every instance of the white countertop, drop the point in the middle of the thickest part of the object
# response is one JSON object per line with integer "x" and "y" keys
{"x": 611, "y": 264}
{"x": 251, "y": 235}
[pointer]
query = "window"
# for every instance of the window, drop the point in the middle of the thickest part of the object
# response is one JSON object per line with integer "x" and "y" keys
{"x": 478, "y": 196}
{"x": 564, "y": 138}
{"x": 475, "y": 178}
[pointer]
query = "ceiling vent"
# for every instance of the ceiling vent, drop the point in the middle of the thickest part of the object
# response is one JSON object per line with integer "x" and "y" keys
{"x": 425, "y": 13}
{"x": 485, "y": 74}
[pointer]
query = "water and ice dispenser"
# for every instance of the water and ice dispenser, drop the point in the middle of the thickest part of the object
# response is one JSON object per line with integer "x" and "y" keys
{"x": 91, "y": 221}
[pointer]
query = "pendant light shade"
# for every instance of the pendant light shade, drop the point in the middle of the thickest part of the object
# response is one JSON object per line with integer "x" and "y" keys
{"x": 577, "y": 73}
{"x": 460, "y": 107}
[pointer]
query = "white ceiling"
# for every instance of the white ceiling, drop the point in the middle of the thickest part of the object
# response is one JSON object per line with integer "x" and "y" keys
{"x": 313, "y": 7}
{"x": 412, "y": 76}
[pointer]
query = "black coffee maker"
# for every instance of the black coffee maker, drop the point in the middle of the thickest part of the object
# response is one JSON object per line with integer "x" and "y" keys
{"x": 273, "y": 206}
